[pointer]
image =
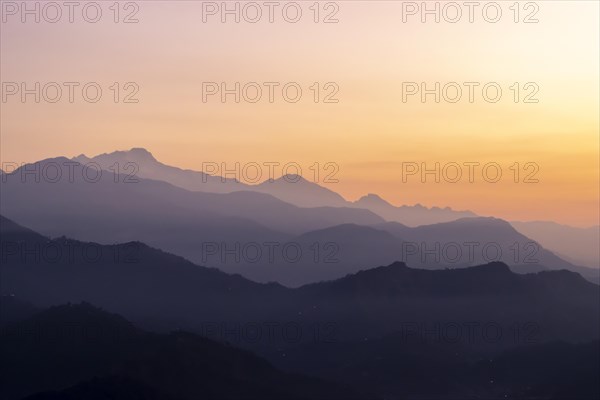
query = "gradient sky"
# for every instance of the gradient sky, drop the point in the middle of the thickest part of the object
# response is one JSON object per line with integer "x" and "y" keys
{"x": 369, "y": 133}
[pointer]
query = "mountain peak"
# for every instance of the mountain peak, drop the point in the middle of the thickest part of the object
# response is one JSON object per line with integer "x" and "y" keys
{"x": 372, "y": 198}
{"x": 140, "y": 152}
{"x": 292, "y": 178}
{"x": 399, "y": 279}
{"x": 135, "y": 154}
{"x": 398, "y": 265}
{"x": 495, "y": 267}
{"x": 82, "y": 158}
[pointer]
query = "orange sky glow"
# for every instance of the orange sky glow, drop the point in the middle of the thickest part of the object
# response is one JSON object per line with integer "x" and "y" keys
{"x": 369, "y": 58}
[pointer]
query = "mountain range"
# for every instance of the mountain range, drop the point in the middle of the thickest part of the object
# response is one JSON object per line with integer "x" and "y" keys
{"x": 577, "y": 245}
{"x": 281, "y": 289}
{"x": 292, "y": 189}
{"x": 250, "y": 232}
{"x": 154, "y": 287}
{"x": 390, "y": 332}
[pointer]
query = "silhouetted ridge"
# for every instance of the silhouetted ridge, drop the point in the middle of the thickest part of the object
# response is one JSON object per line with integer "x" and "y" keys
{"x": 133, "y": 154}
{"x": 17, "y": 233}
{"x": 562, "y": 282}
{"x": 399, "y": 279}
{"x": 495, "y": 267}
{"x": 9, "y": 226}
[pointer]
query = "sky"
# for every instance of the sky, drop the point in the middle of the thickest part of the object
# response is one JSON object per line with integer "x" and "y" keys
{"x": 365, "y": 64}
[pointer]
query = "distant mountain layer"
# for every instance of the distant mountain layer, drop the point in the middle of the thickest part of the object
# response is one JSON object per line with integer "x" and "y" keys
{"x": 113, "y": 209}
{"x": 410, "y": 215}
{"x": 253, "y": 234}
{"x": 141, "y": 163}
{"x": 292, "y": 189}
{"x": 580, "y": 246}
{"x": 335, "y": 251}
